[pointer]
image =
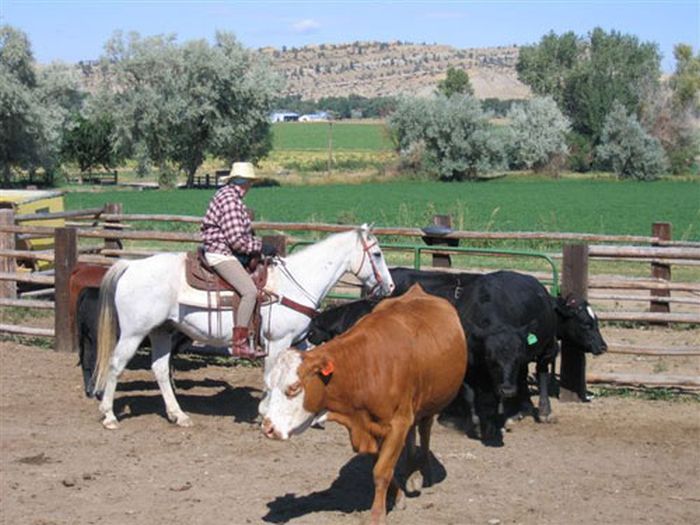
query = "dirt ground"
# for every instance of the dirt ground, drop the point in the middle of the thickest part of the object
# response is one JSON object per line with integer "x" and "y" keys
{"x": 615, "y": 460}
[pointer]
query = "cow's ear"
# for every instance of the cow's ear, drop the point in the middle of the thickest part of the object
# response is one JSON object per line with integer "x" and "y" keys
{"x": 323, "y": 366}
{"x": 326, "y": 369}
{"x": 562, "y": 307}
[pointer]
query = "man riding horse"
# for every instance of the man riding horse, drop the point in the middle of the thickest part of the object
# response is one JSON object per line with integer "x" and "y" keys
{"x": 229, "y": 247}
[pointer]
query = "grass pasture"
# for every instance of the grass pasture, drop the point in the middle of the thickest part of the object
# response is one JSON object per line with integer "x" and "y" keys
{"x": 510, "y": 204}
{"x": 346, "y": 136}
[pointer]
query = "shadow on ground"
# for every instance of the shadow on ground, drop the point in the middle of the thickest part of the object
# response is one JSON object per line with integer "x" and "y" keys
{"x": 240, "y": 403}
{"x": 352, "y": 491}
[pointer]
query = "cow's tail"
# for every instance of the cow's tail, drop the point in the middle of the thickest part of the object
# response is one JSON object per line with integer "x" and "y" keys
{"x": 107, "y": 324}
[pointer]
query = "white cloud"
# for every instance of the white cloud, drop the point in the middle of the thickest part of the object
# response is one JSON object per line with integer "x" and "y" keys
{"x": 306, "y": 26}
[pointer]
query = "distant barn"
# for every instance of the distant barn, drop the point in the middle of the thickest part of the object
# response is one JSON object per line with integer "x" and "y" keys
{"x": 284, "y": 116}
{"x": 320, "y": 116}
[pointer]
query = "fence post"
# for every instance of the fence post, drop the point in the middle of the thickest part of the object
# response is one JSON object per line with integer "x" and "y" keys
{"x": 662, "y": 230}
{"x": 8, "y": 289}
{"x": 66, "y": 255}
{"x": 574, "y": 281}
{"x": 441, "y": 260}
{"x": 116, "y": 209}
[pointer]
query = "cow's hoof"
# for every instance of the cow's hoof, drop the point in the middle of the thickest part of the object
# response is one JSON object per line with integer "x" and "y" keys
{"x": 549, "y": 418}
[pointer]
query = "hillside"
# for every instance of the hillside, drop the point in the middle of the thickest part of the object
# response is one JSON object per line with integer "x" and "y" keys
{"x": 380, "y": 69}
{"x": 375, "y": 69}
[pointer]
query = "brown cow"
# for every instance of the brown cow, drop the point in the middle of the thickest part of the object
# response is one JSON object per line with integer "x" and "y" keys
{"x": 393, "y": 371}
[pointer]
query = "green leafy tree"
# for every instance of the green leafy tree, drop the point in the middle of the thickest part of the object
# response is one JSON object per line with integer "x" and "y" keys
{"x": 33, "y": 107}
{"x": 456, "y": 82}
{"x": 177, "y": 103}
{"x": 88, "y": 142}
{"x": 586, "y": 76}
{"x": 538, "y": 134}
{"x": 628, "y": 148}
{"x": 685, "y": 81}
{"x": 450, "y": 137}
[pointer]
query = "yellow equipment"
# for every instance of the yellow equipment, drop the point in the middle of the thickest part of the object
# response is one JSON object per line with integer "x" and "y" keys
{"x": 26, "y": 202}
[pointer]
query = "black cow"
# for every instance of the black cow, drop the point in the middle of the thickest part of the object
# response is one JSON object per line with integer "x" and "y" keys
{"x": 577, "y": 324}
{"x": 87, "y": 312}
{"x": 335, "y": 321}
{"x": 510, "y": 320}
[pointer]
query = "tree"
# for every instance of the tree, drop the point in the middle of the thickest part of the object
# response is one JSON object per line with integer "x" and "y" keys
{"x": 177, "y": 103}
{"x": 685, "y": 81}
{"x": 33, "y": 107}
{"x": 456, "y": 82}
{"x": 88, "y": 142}
{"x": 450, "y": 137}
{"x": 546, "y": 67}
{"x": 538, "y": 133}
{"x": 628, "y": 148}
{"x": 586, "y": 76}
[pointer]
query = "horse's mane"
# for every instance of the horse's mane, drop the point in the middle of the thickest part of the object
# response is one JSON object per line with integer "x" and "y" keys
{"x": 322, "y": 244}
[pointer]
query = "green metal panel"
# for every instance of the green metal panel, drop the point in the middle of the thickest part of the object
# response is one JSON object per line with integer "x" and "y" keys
{"x": 419, "y": 249}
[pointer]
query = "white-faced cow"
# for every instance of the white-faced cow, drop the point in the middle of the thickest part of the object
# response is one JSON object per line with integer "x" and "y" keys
{"x": 394, "y": 370}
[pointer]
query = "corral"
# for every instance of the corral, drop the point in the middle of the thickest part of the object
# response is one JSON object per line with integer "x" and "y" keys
{"x": 617, "y": 459}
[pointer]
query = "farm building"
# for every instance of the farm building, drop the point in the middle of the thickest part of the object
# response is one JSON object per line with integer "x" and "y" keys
{"x": 284, "y": 116}
{"x": 320, "y": 116}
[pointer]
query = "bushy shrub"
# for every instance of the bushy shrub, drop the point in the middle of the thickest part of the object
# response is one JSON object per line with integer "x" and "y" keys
{"x": 538, "y": 133}
{"x": 581, "y": 152}
{"x": 628, "y": 149}
{"x": 453, "y": 135}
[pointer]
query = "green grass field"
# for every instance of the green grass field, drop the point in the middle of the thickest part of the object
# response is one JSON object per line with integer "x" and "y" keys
{"x": 346, "y": 136}
{"x": 509, "y": 204}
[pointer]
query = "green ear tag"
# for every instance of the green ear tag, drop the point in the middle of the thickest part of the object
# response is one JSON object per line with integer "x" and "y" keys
{"x": 531, "y": 339}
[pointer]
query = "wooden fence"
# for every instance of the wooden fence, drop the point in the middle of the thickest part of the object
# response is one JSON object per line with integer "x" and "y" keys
{"x": 105, "y": 230}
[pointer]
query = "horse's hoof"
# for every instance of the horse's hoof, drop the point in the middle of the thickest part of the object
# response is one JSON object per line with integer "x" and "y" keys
{"x": 414, "y": 483}
{"x": 110, "y": 424}
{"x": 184, "y": 422}
{"x": 400, "y": 502}
{"x": 181, "y": 420}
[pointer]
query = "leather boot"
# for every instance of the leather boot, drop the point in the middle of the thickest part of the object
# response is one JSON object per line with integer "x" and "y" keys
{"x": 241, "y": 344}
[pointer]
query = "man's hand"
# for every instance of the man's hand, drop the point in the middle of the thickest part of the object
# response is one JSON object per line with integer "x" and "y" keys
{"x": 268, "y": 250}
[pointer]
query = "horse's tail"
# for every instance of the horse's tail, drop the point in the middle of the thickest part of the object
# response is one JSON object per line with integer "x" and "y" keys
{"x": 107, "y": 324}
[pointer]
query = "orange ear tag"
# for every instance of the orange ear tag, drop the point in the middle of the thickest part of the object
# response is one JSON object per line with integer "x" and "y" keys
{"x": 328, "y": 369}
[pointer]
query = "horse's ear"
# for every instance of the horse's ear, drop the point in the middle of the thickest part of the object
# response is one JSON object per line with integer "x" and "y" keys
{"x": 365, "y": 227}
{"x": 370, "y": 227}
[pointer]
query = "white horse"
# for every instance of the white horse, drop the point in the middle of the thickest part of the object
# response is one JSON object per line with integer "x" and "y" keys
{"x": 142, "y": 296}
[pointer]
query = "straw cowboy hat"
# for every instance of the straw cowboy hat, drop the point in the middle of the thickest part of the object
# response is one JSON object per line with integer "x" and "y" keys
{"x": 240, "y": 170}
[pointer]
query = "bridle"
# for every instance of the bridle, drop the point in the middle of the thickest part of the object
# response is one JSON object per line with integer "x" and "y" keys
{"x": 366, "y": 247}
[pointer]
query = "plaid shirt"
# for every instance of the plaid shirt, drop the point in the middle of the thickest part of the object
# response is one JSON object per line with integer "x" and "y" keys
{"x": 226, "y": 228}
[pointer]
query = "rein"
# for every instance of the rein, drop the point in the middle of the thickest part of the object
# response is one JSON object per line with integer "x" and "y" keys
{"x": 365, "y": 251}
{"x": 308, "y": 311}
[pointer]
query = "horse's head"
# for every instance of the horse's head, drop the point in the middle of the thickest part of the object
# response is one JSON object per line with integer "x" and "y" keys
{"x": 369, "y": 265}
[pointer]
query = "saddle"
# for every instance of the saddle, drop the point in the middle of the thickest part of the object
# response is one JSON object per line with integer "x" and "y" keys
{"x": 201, "y": 276}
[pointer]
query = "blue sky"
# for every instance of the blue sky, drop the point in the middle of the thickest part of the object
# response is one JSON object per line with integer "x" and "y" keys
{"x": 72, "y": 30}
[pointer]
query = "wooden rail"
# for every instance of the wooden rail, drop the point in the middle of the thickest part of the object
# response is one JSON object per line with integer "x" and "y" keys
{"x": 617, "y": 348}
{"x": 645, "y": 380}
{"x": 662, "y": 252}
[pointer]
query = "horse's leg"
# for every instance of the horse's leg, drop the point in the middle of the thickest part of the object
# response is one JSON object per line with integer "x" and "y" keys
{"x": 123, "y": 352}
{"x": 161, "y": 341}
